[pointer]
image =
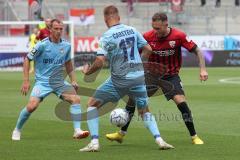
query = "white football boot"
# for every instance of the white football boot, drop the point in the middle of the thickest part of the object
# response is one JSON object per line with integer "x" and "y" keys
{"x": 163, "y": 145}
{"x": 91, "y": 147}
{"x": 16, "y": 135}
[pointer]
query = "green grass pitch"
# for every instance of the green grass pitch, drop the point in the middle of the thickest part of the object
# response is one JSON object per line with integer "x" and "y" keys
{"x": 215, "y": 107}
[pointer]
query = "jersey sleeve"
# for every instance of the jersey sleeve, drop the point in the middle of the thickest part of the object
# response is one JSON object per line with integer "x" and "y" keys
{"x": 105, "y": 46}
{"x": 68, "y": 54}
{"x": 36, "y": 50}
{"x": 102, "y": 47}
{"x": 187, "y": 43}
{"x": 141, "y": 42}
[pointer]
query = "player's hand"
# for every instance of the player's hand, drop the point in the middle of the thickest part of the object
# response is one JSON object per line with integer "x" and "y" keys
{"x": 75, "y": 85}
{"x": 25, "y": 87}
{"x": 85, "y": 68}
{"x": 203, "y": 75}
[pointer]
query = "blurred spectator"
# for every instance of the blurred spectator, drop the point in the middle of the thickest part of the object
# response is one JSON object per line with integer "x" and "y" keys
{"x": 33, "y": 38}
{"x": 41, "y": 25}
{"x": 130, "y": 7}
{"x": 177, "y": 5}
{"x": 237, "y": 3}
{"x": 218, "y": 3}
{"x": 203, "y": 2}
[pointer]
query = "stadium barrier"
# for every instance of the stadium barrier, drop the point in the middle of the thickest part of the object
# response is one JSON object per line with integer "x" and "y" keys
{"x": 218, "y": 51}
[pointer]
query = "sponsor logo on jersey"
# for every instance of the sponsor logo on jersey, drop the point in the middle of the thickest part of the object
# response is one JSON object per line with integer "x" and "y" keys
{"x": 62, "y": 50}
{"x": 47, "y": 50}
{"x": 188, "y": 39}
{"x": 172, "y": 44}
{"x": 52, "y": 61}
{"x": 165, "y": 53}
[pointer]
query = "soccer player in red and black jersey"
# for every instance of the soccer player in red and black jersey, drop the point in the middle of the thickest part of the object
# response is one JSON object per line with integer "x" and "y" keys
{"x": 45, "y": 32}
{"x": 163, "y": 68}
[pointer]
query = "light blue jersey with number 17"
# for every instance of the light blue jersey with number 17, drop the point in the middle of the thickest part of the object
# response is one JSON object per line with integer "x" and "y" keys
{"x": 121, "y": 44}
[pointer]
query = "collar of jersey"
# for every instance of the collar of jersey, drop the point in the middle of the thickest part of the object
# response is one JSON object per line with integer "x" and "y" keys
{"x": 54, "y": 42}
{"x": 167, "y": 34}
{"x": 115, "y": 25}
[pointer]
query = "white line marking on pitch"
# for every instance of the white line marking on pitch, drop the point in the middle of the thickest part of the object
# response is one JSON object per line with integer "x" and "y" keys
{"x": 232, "y": 80}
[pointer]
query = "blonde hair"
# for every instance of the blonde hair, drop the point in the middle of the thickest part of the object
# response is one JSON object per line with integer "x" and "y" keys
{"x": 110, "y": 11}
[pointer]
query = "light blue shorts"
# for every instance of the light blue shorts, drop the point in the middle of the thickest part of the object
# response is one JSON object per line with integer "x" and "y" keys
{"x": 42, "y": 90}
{"x": 107, "y": 92}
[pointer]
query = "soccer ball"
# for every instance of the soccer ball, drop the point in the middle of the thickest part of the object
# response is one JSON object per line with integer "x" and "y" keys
{"x": 119, "y": 117}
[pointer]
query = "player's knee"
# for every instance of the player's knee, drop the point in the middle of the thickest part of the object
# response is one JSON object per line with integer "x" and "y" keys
{"x": 141, "y": 103}
{"x": 32, "y": 106}
{"x": 179, "y": 99}
{"x": 73, "y": 99}
{"x": 142, "y": 111}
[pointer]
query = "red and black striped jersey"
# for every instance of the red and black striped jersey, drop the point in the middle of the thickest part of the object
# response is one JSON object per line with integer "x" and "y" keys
{"x": 43, "y": 33}
{"x": 167, "y": 50}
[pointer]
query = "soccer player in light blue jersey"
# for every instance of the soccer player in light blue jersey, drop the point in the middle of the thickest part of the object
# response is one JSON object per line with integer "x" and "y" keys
{"x": 120, "y": 44}
{"x": 51, "y": 57}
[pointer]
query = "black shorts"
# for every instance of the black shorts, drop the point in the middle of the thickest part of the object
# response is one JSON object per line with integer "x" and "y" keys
{"x": 167, "y": 85}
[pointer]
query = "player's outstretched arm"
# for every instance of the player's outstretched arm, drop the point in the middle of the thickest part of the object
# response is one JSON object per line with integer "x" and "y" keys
{"x": 146, "y": 51}
{"x": 71, "y": 74}
{"x": 97, "y": 64}
{"x": 203, "y": 71}
{"x": 26, "y": 82}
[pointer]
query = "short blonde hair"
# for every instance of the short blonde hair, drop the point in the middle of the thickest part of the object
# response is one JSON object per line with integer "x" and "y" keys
{"x": 110, "y": 11}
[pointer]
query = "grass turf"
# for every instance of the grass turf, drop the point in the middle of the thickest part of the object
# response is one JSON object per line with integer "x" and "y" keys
{"x": 215, "y": 107}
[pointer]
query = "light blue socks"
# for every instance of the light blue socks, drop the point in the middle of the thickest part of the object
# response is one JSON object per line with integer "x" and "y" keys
{"x": 75, "y": 111}
{"x": 150, "y": 124}
{"x": 23, "y": 116}
{"x": 93, "y": 121}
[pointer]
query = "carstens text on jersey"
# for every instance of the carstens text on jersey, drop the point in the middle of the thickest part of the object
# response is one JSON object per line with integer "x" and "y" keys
{"x": 123, "y": 33}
